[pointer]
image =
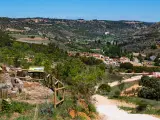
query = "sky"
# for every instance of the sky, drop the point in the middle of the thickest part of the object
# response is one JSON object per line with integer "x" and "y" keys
{"x": 142, "y": 10}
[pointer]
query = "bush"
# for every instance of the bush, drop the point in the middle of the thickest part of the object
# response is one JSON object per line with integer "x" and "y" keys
{"x": 154, "y": 46}
{"x": 121, "y": 86}
{"x": 20, "y": 107}
{"x": 150, "y": 89}
{"x": 104, "y": 89}
{"x": 46, "y": 109}
{"x": 142, "y": 105}
{"x": 6, "y": 106}
{"x": 117, "y": 93}
{"x": 15, "y": 107}
{"x": 139, "y": 69}
{"x": 91, "y": 61}
{"x": 126, "y": 65}
{"x": 148, "y": 93}
{"x": 114, "y": 94}
{"x": 91, "y": 108}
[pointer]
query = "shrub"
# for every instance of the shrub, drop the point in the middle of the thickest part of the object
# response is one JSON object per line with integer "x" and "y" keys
{"x": 91, "y": 108}
{"x": 6, "y": 106}
{"x": 126, "y": 65}
{"x": 15, "y": 107}
{"x": 46, "y": 109}
{"x": 154, "y": 46}
{"x": 140, "y": 69}
{"x": 91, "y": 60}
{"x": 150, "y": 89}
{"x": 142, "y": 105}
{"x": 148, "y": 93}
{"x": 104, "y": 89}
{"x": 121, "y": 86}
{"x": 117, "y": 93}
{"x": 20, "y": 107}
{"x": 114, "y": 94}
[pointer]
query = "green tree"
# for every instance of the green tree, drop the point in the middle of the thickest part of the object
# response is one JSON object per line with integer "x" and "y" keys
{"x": 126, "y": 65}
{"x": 154, "y": 46}
{"x": 140, "y": 58}
{"x": 150, "y": 88}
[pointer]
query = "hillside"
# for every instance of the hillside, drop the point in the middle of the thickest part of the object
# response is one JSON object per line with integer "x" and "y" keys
{"x": 144, "y": 39}
{"x": 72, "y": 34}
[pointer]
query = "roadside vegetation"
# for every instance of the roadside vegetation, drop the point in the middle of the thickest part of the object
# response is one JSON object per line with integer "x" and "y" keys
{"x": 79, "y": 76}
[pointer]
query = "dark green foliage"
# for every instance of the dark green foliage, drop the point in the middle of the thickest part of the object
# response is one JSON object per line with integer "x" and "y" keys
{"x": 46, "y": 109}
{"x": 15, "y": 107}
{"x": 112, "y": 50}
{"x": 117, "y": 94}
{"x": 6, "y": 106}
{"x": 91, "y": 108}
{"x": 157, "y": 60}
{"x": 141, "y": 106}
{"x": 21, "y": 107}
{"x": 153, "y": 46}
{"x": 140, "y": 58}
{"x": 150, "y": 89}
{"x": 31, "y": 37}
{"x": 91, "y": 60}
{"x": 114, "y": 94}
{"x": 104, "y": 89}
{"x": 126, "y": 65}
{"x": 5, "y": 39}
{"x": 121, "y": 86}
{"x": 140, "y": 69}
{"x": 148, "y": 93}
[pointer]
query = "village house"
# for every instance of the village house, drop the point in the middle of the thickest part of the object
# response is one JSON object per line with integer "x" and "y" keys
{"x": 72, "y": 53}
{"x": 98, "y": 56}
{"x": 156, "y": 74}
{"x": 85, "y": 54}
{"x": 148, "y": 63}
{"x": 124, "y": 60}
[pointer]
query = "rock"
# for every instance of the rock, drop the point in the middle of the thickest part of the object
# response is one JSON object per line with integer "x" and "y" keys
{"x": 15, "y": 89}
{"x": 6, "y": 79}
{"x": 16, "y": 82}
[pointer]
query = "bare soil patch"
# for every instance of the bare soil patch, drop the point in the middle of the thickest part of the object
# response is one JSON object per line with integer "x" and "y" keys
{"x": 35, "y": 93}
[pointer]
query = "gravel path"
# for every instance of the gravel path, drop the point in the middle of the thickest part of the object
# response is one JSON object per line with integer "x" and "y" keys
{"x": 110, "y": 111}
{"x": 132, "y": 79}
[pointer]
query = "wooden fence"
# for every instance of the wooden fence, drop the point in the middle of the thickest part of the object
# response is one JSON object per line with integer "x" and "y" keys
{"x": 56, "y": 86}
{"x": 3, "y": 93}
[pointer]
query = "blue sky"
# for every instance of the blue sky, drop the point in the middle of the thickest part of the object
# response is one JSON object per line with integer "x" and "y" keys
{"x": 144, "y": 10}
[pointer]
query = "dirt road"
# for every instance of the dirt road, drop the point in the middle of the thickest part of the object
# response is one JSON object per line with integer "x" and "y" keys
{"x": 132, "y": 79}
{"x": 110, "y": 111}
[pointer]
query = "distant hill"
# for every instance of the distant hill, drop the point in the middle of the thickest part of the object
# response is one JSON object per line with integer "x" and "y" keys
{"x": 74, "y": 33}
{"x": 144, "y": 39}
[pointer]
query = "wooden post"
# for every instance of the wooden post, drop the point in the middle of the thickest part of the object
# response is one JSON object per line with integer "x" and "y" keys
{"x": 58, "y": 88}
{"x": 55, "y": 91}
{"x": 0, "y": 93}
{"x": 51, "y": 82}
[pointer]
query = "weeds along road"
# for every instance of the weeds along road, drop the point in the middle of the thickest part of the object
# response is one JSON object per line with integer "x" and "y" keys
{"x": 110, "y": 111}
